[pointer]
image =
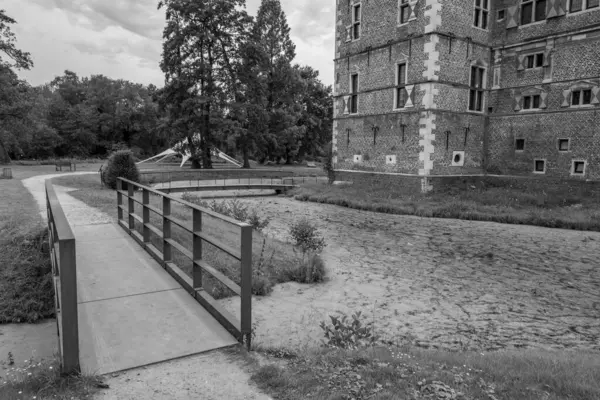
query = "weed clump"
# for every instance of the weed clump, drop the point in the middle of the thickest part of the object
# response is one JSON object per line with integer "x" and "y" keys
{"x": 348, "y": 333}
{"x": 233, "y": 208}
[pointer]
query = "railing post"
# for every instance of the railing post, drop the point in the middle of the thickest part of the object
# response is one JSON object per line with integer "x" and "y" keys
{"x": 146, "y": 215}
{"x": 130, "y": 205}
{"x": 167, "y": 253}
{"x": 197, "y": 249}
{"x": 120, "y": 186}
{"x": 68, "y": 307}
{"x": 246, "y": 284}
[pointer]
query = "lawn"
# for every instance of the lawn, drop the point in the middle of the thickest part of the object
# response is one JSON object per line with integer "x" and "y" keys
{"x": 274, "y": 261}
{"x": 497, "y": 201}
{"x": 399, "y": 372}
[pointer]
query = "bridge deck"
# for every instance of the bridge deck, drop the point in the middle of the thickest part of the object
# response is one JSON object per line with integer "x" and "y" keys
{"x": 131, "y": 311}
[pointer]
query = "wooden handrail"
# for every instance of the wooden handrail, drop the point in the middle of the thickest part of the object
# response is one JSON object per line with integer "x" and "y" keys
{"x": 126, "y": 205}
{"x": 64, "y": 270}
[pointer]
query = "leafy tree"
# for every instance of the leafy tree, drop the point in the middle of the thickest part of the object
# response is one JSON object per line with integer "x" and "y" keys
{"x": 20, "y": 59}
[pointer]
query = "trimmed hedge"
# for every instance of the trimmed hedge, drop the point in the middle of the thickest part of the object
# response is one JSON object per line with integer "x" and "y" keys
{"x": 120, "y": 164}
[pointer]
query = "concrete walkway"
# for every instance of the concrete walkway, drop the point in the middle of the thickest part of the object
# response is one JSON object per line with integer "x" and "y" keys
{"x": 131, "y": 311}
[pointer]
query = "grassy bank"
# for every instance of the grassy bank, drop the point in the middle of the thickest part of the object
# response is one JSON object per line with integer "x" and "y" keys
{"x": 409, "y": 373}
{"x": 503, "y": 203}
{"x": 26, "y": 291}
{"x": 274, "y": 261}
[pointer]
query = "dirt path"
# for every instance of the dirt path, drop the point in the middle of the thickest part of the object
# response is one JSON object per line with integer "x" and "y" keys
{"x": 438, "y": 282}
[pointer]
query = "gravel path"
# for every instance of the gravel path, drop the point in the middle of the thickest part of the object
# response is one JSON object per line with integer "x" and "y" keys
{"x": 439, "y": 282}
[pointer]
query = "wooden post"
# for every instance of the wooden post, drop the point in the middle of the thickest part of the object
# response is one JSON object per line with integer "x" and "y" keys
{"x": 146, "y": 215}
{"x": 120, "y": 186}
{"x": 167, "y": 253}
{"x": 130, "y": 206}
{"x": 197, "y": 249}
{"x": 246, "y": 284}
{"x": 69, "y": 341}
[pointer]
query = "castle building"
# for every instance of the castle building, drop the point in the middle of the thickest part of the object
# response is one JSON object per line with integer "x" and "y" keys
{"x": 433, "y": 88}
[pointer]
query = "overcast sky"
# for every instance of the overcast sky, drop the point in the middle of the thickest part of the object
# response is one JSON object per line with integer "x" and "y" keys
{"x": 123, "y": 38}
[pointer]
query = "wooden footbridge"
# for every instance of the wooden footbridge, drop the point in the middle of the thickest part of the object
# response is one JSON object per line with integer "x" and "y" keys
{"x": 136, "y": 292}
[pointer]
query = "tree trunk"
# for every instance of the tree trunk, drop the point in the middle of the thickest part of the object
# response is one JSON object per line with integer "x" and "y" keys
{"x": 245, "y": 153}
{"x": 4, "y": 158}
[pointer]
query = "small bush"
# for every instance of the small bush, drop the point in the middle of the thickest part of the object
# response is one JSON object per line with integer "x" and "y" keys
{"x": 120, "y": 164}
{"x": 306, "y": 236}
{"x": 310, "y": 270}
{"x": 348, "y": 333}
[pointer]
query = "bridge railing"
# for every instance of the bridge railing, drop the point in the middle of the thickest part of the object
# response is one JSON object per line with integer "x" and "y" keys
{"x": 61, "y": 242}
{"x": 241, "y": 328}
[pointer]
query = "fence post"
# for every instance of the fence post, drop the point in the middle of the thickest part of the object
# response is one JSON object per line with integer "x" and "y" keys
{"x": 197, "y": 249}
{"x": 68, "y": 307}
{"x": 130, "y": 206}
{"x": 246, "y": 284}
{"x": 120, "y": 186}
{"x": 146, "y": 215}
{"x": 167, "y": 257}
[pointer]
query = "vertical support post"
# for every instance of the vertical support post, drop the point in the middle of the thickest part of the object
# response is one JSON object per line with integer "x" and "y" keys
{"x": 130, "y": 206}
{"x": 120, "y": 186}
{"x": 197, "y": 249}
{"x": 246, "y": 284}
{"x": 167, "y": 253}
{"x": 69, "y": 341}
{"x": 146, "y": 215}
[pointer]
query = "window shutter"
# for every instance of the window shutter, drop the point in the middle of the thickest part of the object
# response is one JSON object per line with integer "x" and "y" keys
{"x": 349, "y": 33}
{"x": 543, "y": 97}
{"x": 346, "y": 104}
{"x": 520, "y": 62}
{"x": 566, "y": 98}
{"x": 596, "y": 95}
{"x": 517, "y": 105}
{"x": 547, "y": 58}
{"x": 410, "y": 97}
{"x": 512, "y": 20}
{"x": 412, "y": 4}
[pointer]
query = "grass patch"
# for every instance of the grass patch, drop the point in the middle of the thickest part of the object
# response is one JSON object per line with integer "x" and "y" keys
{"x": 557, "y": 207}
{"x": 412, "y": 373}
{"x": 26, "y": 289}
{"x": 274, "y": 261}
{"x": 43, "y": 381}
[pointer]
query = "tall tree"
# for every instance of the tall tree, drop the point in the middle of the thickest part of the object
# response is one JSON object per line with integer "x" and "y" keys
{"x": 198, "y": 39}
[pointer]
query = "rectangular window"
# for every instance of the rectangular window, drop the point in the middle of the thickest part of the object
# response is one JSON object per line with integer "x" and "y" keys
{"x": 526, "y": 102}
{"x": 587, "y": 97}
{"x": 581, "y": 97}
{"x": 476, "y": 89}
{"x": 356, "y": 17}
{"x": 593, "y": 4}
{"x": 354, "y": 95}
{"x": 531, "y": 102}
{"x": 578, "y": 167}
{"x": 576, "y": 5}
{"x": 481, "y": 14}
{"x": 534, "y": 61}
{"x": 401, "y": 93}
{"x": 536, "y": 101}
{"x": 563, "y": 144}
{"x": 580, "y": 5}
{"x": 539, "y": 166}
{"x": 532, "y": 11}
{"x": 404, "y": 11}
{"x": 501, "y": 15}
{"x": 539, "y": 60}
{"x": 520, "y": 144}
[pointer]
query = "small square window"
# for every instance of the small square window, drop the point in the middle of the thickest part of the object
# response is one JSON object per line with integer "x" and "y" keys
{"x": 520, "y": 144}
{"x": 500, "y": 15}
{"x": 540, "y": 166}
{"x": 563, "y": 144}
{"x": 578, "y": 167}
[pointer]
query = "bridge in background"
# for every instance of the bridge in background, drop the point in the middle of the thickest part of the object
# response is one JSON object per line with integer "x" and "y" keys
{"x": 123, "y": 299}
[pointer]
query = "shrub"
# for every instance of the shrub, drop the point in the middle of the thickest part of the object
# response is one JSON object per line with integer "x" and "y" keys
{"x": 120, "y": 164}
{"x": 306, "y": 236}
{"x": 233, "y": 208}
{"x": 310, "y": 270}
{"x": 348, "y": 333}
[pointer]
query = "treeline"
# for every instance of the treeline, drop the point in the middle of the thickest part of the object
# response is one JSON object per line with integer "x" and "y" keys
{"x": 228, "y": 77}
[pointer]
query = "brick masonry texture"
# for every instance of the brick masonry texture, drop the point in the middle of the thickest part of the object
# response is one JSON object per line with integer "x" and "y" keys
{"x": 439, "y": 46}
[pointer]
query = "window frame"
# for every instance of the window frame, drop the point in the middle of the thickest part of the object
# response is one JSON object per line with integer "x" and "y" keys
{"x": 353, "y": 109}
{"x": 581, "y": 94}
{"x": 535, "y": 161}
{"x": 534, "y": 7}
{"x": 479, "y": 12}
{"x": 558, "y": 142}
{"x": 400, "y": 86}
{"x": 479, "y": 99}
{"x": 357, "y": 24}
{"x": 576, "y": 161}
{"x": 402, "y": 5}
{"x": 585, "y": 6}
